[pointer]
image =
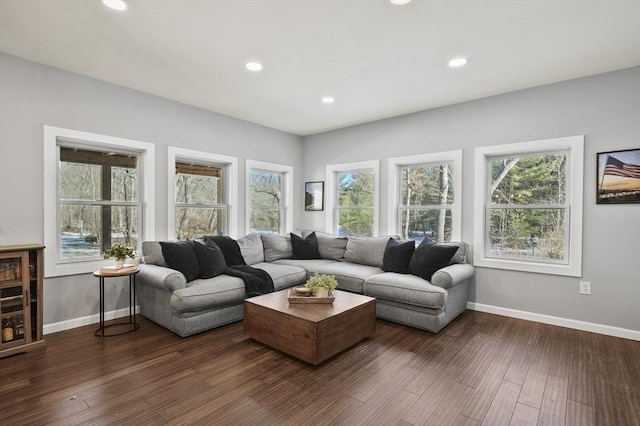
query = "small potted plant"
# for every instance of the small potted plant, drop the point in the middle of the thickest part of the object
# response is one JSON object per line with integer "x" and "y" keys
{"x": 321, "y": 284}
{"x": 119, "y": 252}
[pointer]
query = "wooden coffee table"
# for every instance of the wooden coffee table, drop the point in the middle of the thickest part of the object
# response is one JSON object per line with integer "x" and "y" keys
{"x": 310, "y": 332}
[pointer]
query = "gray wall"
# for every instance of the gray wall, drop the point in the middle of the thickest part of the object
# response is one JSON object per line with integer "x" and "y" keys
{"x": 32, "y": 95}
{"x": 605, "y": 108}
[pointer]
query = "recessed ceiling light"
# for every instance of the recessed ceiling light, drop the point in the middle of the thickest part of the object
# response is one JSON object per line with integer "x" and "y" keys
{"x": 328, "y": 100}
{"x": 253, "y": 66}
{"x": 399, "y": 2}
{"x": 115, "y": 4}
{"x": 458, "y": 62}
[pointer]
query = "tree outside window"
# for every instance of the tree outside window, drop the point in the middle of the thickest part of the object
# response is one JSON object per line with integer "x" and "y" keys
{"x": 98, "y": 202}
{"x": 426, "y": 198}
{"x": 527, "y": 213}
{"x": 200, "y": 208}
{"x": 266, "y": 203}
{"x": 355, "y": 206}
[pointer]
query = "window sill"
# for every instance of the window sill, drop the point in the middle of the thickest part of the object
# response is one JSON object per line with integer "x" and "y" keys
{"x": 78, "y": 268}
{"x": 535, "y": 267}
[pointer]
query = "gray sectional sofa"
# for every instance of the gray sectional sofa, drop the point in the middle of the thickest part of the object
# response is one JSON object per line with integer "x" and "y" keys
{"x": 186, "y": 308}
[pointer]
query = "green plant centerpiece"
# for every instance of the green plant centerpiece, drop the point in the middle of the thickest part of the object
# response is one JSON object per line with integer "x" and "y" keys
{"x": 321, "y": 284}
{"x": 119, "y": 252}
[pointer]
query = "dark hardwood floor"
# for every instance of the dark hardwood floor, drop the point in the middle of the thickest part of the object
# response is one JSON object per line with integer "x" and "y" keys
{"x": 482, "y": 369}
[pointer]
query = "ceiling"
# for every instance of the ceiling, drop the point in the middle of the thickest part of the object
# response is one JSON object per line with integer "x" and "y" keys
{"x": 377, "y": 60}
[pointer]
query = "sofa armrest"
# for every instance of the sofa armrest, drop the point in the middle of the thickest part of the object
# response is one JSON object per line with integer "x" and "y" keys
{"x": 452, "y": 275}
{"x": 161, "y": 277}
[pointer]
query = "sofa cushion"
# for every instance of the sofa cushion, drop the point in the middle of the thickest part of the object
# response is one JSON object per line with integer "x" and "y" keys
{"x": 230, "y": 249}
{"x": 429, "y": 257}
{"x": 276, "y": 247}
{"x": 305, "y": 248}
{"x": 310, "y": 265}
{"x": 283, "y": 276}
{"x": 350, "y": 276}
{"x": 251, "y": 248}
{"x": 397, "y": 256}
{"x": 181, "y": 256}
{"x": 220, "y": 291}
{"x": 152, "y": 253}
{"x": 366, "y": 250}
{"x": 211, "y": 261}
{"x": 330, "y": 246}
{"x": 403, "y": 288}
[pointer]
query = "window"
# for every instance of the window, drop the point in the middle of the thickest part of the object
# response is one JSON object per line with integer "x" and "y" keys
{"x": 425, "y": 196}
{"x": 530, "y": 196}
{"x": 353, "y": 197}
{"x": 98, "y": 202}
{"x": 96, "y": 191}
{"x": 203, "y": 190}
{"x": 270, "y": 196}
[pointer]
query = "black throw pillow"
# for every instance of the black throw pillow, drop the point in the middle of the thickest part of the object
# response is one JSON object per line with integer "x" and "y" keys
{"x": 397, "y": 256}
{"x": 181, "y": 256}
{"x": 305, "y": 248}
{"x": 429, "y": 257}
{"x": 210, "y": 259}
{"x": 230, "y": 249}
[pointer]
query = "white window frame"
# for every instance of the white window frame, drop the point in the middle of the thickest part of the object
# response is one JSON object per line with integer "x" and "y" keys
{"x": 146, "y": 183}
{"x": 230, "y": 182}
{"x": 573, "y": 147}
{"x": 332, "y": 191}
{"x": 395, "y": 169}
{"x": 286, "y": 222}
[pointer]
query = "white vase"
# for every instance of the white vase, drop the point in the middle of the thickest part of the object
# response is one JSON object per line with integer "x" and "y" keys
{"x": 120, "y": 261}
{"x": 321, "y": 292}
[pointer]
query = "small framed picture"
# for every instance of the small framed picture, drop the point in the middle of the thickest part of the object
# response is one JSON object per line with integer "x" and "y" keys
{"x": 618, "y": 177}
{"x": 314, "y": 196}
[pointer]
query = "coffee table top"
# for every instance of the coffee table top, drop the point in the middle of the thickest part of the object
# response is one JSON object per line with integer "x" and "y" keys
{"x": 315, "y": 312}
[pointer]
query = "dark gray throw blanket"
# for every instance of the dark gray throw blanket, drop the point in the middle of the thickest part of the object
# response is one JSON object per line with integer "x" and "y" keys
{"x": 256, "y": 281}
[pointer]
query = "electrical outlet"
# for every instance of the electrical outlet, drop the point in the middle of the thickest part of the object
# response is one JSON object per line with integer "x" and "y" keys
{"x": 585, "y": 287}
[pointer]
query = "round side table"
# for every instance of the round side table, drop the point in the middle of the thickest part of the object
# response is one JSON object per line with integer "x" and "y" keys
{"x": 132, "y": 324}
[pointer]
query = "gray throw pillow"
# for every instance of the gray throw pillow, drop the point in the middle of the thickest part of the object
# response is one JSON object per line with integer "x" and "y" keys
{"x": 330, "y": 246}
{"x": 461, "y": 254}
{"x": 276, "y": 247}
{"x": 152, "y": 253}
{"x": 251, "y": 248}
{"x": 366, "y": 250}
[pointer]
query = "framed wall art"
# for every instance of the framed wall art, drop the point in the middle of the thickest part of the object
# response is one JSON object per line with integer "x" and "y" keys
{"x": 618, "y": 177}
{"x": 314, "y": 196}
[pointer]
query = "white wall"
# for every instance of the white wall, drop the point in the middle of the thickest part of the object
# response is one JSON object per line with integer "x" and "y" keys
{"x": 605, "y": 108}
{"x": 32, "y": 95}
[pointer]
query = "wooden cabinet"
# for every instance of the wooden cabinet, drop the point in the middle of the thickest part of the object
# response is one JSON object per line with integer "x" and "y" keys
{"x": 21, "y": 276}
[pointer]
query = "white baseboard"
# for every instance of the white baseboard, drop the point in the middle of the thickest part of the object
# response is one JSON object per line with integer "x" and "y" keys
{"x": 90, "y": 319}
{"x": 562, "y": 322}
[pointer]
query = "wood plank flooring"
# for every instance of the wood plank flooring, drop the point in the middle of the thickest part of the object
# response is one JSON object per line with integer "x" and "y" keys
{"x": 482, "y": 369}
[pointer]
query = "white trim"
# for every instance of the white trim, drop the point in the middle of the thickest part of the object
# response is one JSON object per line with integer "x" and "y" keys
{"x": 394, "y": 180}
{"x": 147, "y": 165}
{"x": 287, "y": 190}
{"x": 330, "y": 191}
{"x": 624, "y": 333}
{"x": 230, "y": 181}
{"x": 574, "y": 193}
{"x": 86, "y": 320}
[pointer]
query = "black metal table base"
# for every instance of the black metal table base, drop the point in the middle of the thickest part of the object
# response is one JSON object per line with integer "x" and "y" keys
{"x": 132, "y": 325}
